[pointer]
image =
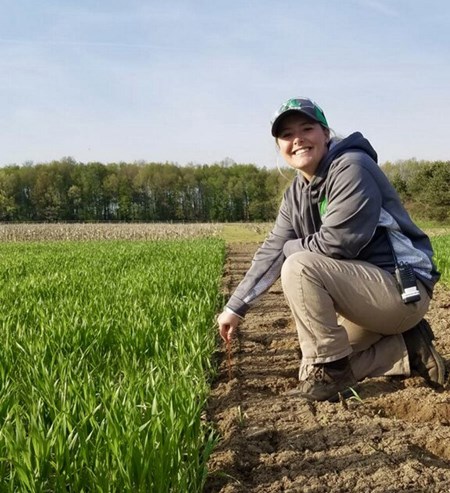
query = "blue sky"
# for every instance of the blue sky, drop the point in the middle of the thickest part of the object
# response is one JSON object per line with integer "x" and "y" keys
{"x": 198, "y": 81}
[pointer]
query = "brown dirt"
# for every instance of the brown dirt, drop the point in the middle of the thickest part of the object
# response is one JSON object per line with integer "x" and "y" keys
{"x": 395, "y": 438}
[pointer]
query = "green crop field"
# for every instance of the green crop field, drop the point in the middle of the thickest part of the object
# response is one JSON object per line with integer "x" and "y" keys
{"x": 105, "y": 354}
{"x": 441, "y": 245}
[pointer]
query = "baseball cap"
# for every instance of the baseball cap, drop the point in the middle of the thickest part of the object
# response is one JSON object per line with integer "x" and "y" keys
{"x": 301, "y": 105}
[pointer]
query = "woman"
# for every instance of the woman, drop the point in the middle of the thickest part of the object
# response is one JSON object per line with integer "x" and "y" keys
{"x": 340, "y": 234}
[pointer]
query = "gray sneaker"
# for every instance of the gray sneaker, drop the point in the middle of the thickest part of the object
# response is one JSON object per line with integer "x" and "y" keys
{"x": 423, "y": 357}
{"x": 325, "y": 383}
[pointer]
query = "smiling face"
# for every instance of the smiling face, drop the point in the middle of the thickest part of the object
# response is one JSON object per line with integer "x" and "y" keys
{"x": 303, "y": 143}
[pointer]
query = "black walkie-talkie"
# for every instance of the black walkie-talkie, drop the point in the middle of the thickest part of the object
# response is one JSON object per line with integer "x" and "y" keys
{"x": 405, "y": 276}
{"x": 407, "y": 283}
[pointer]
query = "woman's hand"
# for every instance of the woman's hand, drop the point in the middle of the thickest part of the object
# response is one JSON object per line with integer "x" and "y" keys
{"x": 227, "y": 325}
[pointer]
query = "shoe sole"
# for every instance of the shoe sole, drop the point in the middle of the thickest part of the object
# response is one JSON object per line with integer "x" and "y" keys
{"x": 427, "y": 333}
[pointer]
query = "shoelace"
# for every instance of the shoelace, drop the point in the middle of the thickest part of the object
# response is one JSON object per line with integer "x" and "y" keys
{"x": 317, "y": 374}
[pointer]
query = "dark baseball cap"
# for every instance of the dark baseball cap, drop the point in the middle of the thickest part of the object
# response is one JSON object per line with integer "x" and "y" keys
{"x": 301, "y": 105}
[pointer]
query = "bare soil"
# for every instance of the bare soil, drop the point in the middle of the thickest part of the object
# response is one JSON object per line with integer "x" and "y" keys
{"x": 395, "y": 437}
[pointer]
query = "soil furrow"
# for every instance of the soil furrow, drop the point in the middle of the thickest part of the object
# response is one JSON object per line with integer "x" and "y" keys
{"x": 394, "y": 437}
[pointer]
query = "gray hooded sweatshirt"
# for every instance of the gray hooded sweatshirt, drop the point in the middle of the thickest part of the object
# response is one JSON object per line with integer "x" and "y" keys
{"x": 345, "y": 212}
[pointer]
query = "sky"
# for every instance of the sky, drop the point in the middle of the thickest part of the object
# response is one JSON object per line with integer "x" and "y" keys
{"x": 198, "y": 81}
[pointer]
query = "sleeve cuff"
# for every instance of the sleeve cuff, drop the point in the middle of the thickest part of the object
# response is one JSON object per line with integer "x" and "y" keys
{"x": 229, "y": 310}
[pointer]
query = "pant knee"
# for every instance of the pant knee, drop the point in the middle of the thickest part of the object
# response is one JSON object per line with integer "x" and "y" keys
{"x": 295, "y": 266}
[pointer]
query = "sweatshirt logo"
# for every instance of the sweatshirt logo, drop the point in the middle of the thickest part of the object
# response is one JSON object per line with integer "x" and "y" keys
{"x": 323, "y": 204}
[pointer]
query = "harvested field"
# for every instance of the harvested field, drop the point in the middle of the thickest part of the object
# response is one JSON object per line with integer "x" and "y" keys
{"x": 105, "y": 231}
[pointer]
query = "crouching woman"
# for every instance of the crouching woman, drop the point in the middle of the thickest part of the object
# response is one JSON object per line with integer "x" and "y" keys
{"x": 339, "y": 237}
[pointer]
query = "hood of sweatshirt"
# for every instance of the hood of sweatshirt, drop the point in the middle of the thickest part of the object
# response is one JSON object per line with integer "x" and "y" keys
{"x": 354, "y": 142}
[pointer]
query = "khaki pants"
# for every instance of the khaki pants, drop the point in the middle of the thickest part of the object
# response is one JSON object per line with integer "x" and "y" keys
{"x": 349, "y": 308}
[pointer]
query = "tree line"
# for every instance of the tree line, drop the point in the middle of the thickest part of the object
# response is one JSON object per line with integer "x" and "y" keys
{"x": 67, "y": 190}
{"x": 423, "y": 186}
